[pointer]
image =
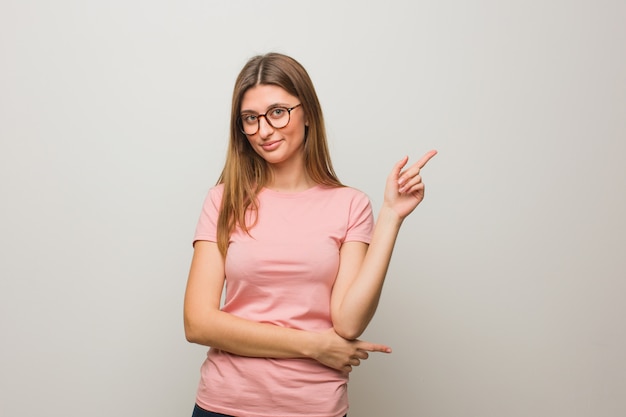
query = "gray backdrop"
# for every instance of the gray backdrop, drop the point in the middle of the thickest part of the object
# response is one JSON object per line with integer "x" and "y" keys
{"x": 506, "y": 292}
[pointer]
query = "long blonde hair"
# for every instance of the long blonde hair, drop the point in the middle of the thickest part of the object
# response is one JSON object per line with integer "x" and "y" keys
{"x": 245, "y": 173}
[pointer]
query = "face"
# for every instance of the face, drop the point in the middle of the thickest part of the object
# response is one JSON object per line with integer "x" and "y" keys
{"x": 276, "y": 146}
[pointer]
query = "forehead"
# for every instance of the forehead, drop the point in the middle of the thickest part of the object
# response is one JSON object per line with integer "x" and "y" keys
{"x": 262, "y": 96}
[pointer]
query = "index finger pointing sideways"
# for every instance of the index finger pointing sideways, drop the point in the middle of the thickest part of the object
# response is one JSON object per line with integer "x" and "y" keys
{"x": 427, "y": 157}
{"x": 374, "y": 347}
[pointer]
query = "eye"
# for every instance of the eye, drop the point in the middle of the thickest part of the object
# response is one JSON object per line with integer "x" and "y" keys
{"x": 277, "y": 112}
{"x": 249, "y": 118}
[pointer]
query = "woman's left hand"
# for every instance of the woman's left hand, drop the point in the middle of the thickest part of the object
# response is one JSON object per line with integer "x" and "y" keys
{"x": 405, "y": 189}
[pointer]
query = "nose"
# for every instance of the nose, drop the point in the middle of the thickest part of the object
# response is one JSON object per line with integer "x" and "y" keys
{"x": 265, "y": 129}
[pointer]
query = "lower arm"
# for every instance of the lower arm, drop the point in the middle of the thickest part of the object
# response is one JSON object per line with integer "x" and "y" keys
{"x": 243, "y": 337}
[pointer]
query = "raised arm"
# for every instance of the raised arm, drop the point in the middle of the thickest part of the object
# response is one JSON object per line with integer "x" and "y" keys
{"x": 206, "y": 324}
{"x": 363, "y": 269}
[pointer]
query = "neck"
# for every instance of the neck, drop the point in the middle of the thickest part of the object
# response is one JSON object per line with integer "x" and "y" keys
{"x": 290, "y": 179}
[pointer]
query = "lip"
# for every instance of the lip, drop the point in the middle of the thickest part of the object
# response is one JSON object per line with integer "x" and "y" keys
{"x": 270, "y": 146}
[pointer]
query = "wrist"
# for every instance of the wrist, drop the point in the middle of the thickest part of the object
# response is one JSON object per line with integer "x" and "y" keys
{"x": 389, "y": 216}
{"x": 310, "y": 345}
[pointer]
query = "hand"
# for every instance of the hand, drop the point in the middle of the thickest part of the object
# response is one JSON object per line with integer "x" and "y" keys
{"x": 405, "y": 189}
{"x": 341, "y": 354}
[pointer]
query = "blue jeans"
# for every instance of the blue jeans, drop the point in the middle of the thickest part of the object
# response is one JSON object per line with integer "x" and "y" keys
{"x": 201, "y": 412}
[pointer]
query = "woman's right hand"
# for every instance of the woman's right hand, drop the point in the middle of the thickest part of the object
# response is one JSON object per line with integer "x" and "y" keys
{"x": 338, "y": 353}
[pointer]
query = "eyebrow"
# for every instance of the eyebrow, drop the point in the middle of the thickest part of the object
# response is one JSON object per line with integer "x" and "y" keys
{"x": 271, "y": 106}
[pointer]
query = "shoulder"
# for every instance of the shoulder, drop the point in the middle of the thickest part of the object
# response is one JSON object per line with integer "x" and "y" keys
{"x": 213, "y": 198}
{"x": 345, "y": 193}
{"x": 217, "y": 189}
{"x": 215, "y": 193}
{"x": 345, "y": 199}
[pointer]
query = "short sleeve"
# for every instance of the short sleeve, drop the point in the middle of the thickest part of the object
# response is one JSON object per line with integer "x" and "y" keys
{"x": 206, "y": 228}
{"x": 360, "y": 220}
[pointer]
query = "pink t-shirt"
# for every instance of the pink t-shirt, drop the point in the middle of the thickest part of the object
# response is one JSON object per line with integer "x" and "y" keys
{"x": 283, "y": 274}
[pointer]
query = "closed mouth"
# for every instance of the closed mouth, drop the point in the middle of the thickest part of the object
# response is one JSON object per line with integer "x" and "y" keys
{"x": 268, "y": 144}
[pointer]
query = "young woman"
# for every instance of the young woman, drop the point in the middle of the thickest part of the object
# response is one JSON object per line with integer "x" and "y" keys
{"x": 299, "y": 255}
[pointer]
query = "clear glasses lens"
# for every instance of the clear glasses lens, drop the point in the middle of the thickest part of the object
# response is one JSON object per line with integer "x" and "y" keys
{"x": 277, "y": 117}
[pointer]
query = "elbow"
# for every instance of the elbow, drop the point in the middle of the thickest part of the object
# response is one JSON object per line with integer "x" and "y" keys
{"x": 349, "y": 326}
{"x": 200, "y": 326}
{"x": 348, "y": 332}
{"x": 189, "y": 333}
{"x": 192, "y": 332}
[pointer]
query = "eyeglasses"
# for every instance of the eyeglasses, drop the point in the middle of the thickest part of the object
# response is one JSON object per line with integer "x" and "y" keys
{"x": 277, "y": 117}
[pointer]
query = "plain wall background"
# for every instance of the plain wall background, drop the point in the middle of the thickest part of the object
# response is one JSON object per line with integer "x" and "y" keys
{"x": 506, "y": 295}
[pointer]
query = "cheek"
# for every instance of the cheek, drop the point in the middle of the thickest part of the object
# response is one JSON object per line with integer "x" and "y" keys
{"x": 250, "y": 146}
{"x": 297, "y": 130}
